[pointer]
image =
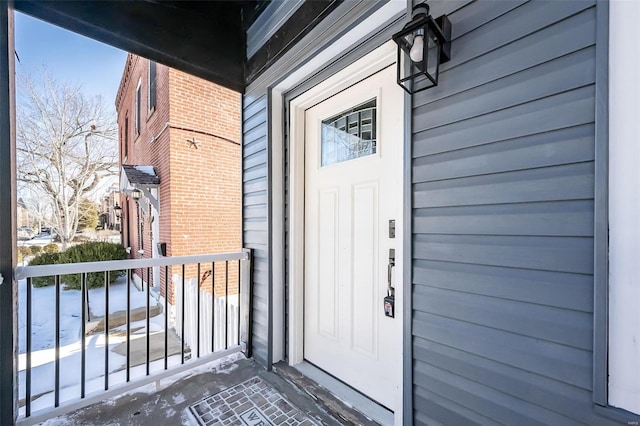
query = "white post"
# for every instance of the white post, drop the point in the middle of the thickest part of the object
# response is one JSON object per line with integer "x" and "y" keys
{"x": 624, "y": 205}
{"x": 155, "y": 238}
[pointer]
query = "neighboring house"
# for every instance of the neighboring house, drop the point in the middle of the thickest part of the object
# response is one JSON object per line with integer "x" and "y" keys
{"x": 24, "y": 217}
{"x": 180, "y": 164}
{"x": 508, "y": 192}
{"x": 110, "y": 209}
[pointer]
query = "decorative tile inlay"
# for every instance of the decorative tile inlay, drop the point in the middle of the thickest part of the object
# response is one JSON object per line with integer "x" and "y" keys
{"x": 252, "y": 403}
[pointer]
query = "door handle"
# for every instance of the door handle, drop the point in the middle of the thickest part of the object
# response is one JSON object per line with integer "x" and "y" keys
{"x": 389, "y": 300}
{"x": 390, "y": 265}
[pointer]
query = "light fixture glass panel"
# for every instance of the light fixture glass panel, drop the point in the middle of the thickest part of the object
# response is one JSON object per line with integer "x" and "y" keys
{"x": 350, "y": 134}
{"x": 433, "y": 53}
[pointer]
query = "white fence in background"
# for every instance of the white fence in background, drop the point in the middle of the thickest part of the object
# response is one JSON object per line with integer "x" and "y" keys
{"x": 222, "y": 315}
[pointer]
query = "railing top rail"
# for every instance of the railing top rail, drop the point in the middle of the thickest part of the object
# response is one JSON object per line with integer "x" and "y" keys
{"x": 117, "y": 265}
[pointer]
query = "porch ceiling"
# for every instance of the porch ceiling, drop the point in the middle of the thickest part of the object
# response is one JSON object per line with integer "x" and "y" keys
{"x": 203, "y": 38}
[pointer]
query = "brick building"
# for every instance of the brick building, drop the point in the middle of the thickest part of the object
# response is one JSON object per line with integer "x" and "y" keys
{"x": 180, "y": 166}
{"x": 110, "y": 211}
{"x": 24, "y": 217}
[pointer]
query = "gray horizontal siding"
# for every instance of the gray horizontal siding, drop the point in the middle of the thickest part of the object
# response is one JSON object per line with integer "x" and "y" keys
{"x": 559, "y": 218}
{"x": 556, "y": 289}
{"x": 561, "y": 254}
{"x": 559, "y": 111}
{"x": 255, "y": 219}
{"x": 542, "y": 391}
{"x": 503, "y": 218}
{"x": 566, "y": 182}
{"x": 568, "y": 145}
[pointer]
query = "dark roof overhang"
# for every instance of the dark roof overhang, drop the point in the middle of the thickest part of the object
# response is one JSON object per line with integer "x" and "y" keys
{"x": 143, "y": 179}
{"x": 203, "y": 38}
{"x": 140, "y": 175}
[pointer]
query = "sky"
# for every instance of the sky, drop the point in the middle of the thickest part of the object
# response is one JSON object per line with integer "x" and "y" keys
{"x": 68, "y": 56}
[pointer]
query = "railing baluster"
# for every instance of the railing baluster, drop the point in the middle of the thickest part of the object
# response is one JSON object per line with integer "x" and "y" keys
{"x": 198, "y": 316}
{"x": 83, "y": 330}
{"x": 27, "y": 396}
{"x": 148, "y": 336}
{"x": 226, "y": 304}
{"x": 182, "y": 317}
{"x": 233, "y": 316}
{"x": 106, "y": 330}
{"x": 129, "y": 273}
{"x": 166, "y": 317}
{"x": 57, "y": 339}
{"x": 88, "y": 311}
{"x": 213, "y": 307}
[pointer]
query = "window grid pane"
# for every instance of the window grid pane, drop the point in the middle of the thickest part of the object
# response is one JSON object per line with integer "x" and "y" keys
{"x": 350, "y": 134}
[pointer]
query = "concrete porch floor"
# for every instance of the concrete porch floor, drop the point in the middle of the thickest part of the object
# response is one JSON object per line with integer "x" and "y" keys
{"x": 170, "y": 405}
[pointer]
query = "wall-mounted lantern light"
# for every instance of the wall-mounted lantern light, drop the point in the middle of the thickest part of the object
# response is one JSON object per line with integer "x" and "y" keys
{"x": 423, "y": 44}
{"x": 136, "y": 194}
{"x": 118, "y": 211}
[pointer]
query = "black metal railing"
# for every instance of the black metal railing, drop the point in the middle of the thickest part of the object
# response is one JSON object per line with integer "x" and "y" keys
{"x": 208, "y": 322}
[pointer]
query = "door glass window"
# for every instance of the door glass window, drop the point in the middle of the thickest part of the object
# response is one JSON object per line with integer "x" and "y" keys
{"x": 350, "y": 134}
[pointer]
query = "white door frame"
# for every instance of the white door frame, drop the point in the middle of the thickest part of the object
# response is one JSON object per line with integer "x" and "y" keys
{"x": 375, "y": 61}
{"x": 275, "y": 99}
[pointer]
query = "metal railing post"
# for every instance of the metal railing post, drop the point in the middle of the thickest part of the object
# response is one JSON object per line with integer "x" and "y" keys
{"x": 8, "y": 225}
{"x": 246, "y": 282}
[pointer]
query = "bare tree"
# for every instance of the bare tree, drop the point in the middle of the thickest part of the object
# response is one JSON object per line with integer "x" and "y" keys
{"x": 66, "y": 144}
{"x": 38, "y": 207}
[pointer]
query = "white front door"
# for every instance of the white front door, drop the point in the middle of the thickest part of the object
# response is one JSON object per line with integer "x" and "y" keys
{"x": 353, "y": 188}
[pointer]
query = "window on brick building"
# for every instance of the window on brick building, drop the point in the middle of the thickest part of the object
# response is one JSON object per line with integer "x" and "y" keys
{"x": 140, "y": 229}
{"x": 125, "y": 148}
{"x": 152, "y": 86}
{"x": 138, "y": 98}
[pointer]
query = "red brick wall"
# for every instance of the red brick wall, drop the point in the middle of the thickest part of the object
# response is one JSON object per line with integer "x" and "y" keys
{"x": 209, "y": 193}
{"x": 200, "y": 189}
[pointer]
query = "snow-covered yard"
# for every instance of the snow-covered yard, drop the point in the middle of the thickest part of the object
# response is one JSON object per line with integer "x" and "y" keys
{"x": 43, "y": 340}
{"x": 44, "y": 239}
{"x": 43, "y": 311}
{"x": 219, "y": 320}
{"x": 38, "y": 240}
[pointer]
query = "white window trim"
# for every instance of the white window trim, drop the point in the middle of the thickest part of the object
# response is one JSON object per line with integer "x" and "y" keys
{"x": 624, "y": 207}
{"x": 149, "y": 109}
{"x": 138, "y": 118}
{"x": 140, "y": 230}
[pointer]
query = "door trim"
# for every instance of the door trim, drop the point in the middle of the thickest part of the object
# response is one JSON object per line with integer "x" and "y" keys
{"x": 360, "y": 402}
{"x": 368, "y": 65}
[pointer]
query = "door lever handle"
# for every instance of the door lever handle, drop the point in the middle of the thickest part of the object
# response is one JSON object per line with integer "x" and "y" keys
{"x": 390, "y": 265}
{"x": 389, "y": 301}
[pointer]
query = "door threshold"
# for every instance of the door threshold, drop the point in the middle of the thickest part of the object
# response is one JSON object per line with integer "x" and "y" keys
{"x": 347, "y": 394}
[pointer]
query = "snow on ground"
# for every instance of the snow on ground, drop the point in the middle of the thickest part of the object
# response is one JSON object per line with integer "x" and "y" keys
{"x": 38, "y": 240}
{"x": 43, "y": 239}
{"x": 117, "y": 298}
{"x": 43, "y": 311}
{"x": 43, "y": 344}
{"x": 43, "y": 340}
{"x": 71, "y": 392}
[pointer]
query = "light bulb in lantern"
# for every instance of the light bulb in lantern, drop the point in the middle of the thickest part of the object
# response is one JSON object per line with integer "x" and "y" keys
{"x": 416, "y": 52}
